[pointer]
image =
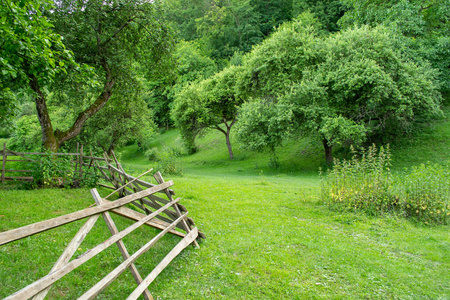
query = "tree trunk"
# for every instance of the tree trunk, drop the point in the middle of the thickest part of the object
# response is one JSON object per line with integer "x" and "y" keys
{"x": 51, "y": 139}
{"x": 227, "y": 135}
{"x": 230, "y": 151}
{"x": 328, "y": 153}
{"x": 48, "y": 136}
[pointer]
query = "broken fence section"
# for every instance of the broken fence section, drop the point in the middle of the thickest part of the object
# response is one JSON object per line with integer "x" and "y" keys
{"x": 159, "y": 210}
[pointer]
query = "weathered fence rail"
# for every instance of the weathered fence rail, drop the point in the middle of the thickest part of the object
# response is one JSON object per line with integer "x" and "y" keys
{"x": 154, "y": 205}
{"x": 77, "y": 159}
{"x": 103, "y": 207}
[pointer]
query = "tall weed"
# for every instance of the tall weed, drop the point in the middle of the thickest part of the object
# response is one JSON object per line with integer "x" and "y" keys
{"x": 365, "y": 183}
{"x": 362, "y": 183}
{"x": 425, "y": 193}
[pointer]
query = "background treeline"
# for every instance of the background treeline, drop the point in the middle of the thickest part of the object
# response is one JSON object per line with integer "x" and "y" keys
{"x": 109, "y": 73}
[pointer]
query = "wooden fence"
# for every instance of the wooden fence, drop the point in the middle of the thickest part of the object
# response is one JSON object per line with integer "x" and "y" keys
{"x": 77, "y": 160}
{"x": 158, "y": 209}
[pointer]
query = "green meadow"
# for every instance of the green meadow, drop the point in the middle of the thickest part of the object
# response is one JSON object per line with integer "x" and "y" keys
{"x": 269, "y": 236}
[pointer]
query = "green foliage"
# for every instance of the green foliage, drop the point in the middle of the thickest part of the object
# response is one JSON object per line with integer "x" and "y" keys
{"x": 271, "y": 67}
{"x": 424, "y": 23}
{"x": 192, "y": 65}
{"x": 152, "y": 154}
{"x": 365, "y": 183}
{"x": 29, "y": 49}
{"x": 425, "y": 193}
{"x": 367, "y": 79}
{"x": 272, "y": 13}
{"x": 169, "y": 162}
{"x": 229, "y": 26}
{"x": 26, "y": 135}
{"x": 122, "y": 120}
{"x": 328, "y": 11}
{"x": 262, "y": 126}
{"x": 29, "y": 45}
{"x": 362, "y": 183}
{"x": 53, "y": 171}
{"x": 207, "y": 104}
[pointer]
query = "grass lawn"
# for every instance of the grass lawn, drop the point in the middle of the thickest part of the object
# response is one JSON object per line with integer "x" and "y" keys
{"x": 268, "y": 235}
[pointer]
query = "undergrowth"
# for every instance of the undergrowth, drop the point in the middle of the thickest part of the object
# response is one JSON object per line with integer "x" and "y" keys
{"x": 365, "y": 183}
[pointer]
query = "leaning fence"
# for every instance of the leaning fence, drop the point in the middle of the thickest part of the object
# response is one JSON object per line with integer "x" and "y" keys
{"x": 22, "y": 163}
{"x": 153, "y": 205}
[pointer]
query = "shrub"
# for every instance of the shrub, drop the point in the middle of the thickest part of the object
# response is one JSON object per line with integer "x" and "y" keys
{"x": 168, "y": 162}
{"x": 53, "y": 171}
{"x": 152, "y": 154}
{"x": 365, "y": 183}
{"x": 425, "y": 193}
{"x": 362, "y": 183}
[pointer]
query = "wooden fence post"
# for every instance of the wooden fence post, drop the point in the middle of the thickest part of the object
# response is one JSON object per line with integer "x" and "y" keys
{"x": 4, "y": 163}
{"x": 81, "y": 162}
{"x": 75, "y": 169}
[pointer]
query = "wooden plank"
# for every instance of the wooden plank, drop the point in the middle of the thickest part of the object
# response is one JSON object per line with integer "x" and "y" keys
{"x": 102, "y": 284}
{"x": 16, "y": 160}
{"x": 187, "y": 228}
{"x": 123, "y": 250}
{"x": 155, "y": 205}
{"x": 19, "y": 233}
{"x": 70, "y": 251}
{"x": 135, "y": 215}
{"x": 125, "y": 178}
{"x": 123, "y": 186}
{"x": 107, "y": 186}
{"x": 169, "y": 257}
{"x": 41, "y": 153}
{"x": 25, "y": 171}
{"x": 5, "y": 158}
{"x": 101, "y": 171}
{"x": 95, "y": 158}
{"x": 147, "y": 211}
{"x": 48, "y": 280}
{"x": 12, "y": 153}
{"x": 26, "y": 178}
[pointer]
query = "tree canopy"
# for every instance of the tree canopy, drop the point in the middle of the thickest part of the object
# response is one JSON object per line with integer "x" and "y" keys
{"x": 208, "y": 104}
{"x": 107, "y": 38}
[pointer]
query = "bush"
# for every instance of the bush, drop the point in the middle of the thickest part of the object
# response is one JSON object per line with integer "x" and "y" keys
{"x": 168, "y": 162}
{"x": 58, "y": 171}
{"x": 365, "y": 183}
{"x": 152, "y": 154}
{"x": 53, "y": 171}
{"x": 362, "y": 183}
{"x": 425, "y": 193}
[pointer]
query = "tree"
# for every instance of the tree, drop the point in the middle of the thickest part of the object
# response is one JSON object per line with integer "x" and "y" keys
{"x": 28, "y": 48}
{"x": 109, "y": 37}
{"x": 263, "y": 125}
{"x": 327, "y": 11}
{"x": 132, "y": 122}
{"x": 272, "y": 13}
{"x": 366, "y": 87}
{"x": 272, "y": 66}
{"x": 425, "y": 24}
{"x": 192, "y": 65}
{"x": 228, "y": 27}
{"x": 208, "y": 104}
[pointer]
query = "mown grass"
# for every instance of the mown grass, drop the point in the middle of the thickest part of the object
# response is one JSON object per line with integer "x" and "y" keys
{"x": 269, "y": 236}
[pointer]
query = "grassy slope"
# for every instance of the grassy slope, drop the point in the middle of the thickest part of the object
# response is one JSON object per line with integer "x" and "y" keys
{"x": 268, "y": 236}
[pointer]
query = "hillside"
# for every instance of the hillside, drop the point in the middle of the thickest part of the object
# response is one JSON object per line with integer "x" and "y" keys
{"x": 302, "y": 156}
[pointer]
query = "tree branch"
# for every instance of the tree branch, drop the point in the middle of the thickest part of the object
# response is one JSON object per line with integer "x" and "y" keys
{"x": 99, "y": 103}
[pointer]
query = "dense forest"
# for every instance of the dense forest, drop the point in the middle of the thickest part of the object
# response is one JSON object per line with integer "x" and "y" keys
{"x": 107, "y": 73}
